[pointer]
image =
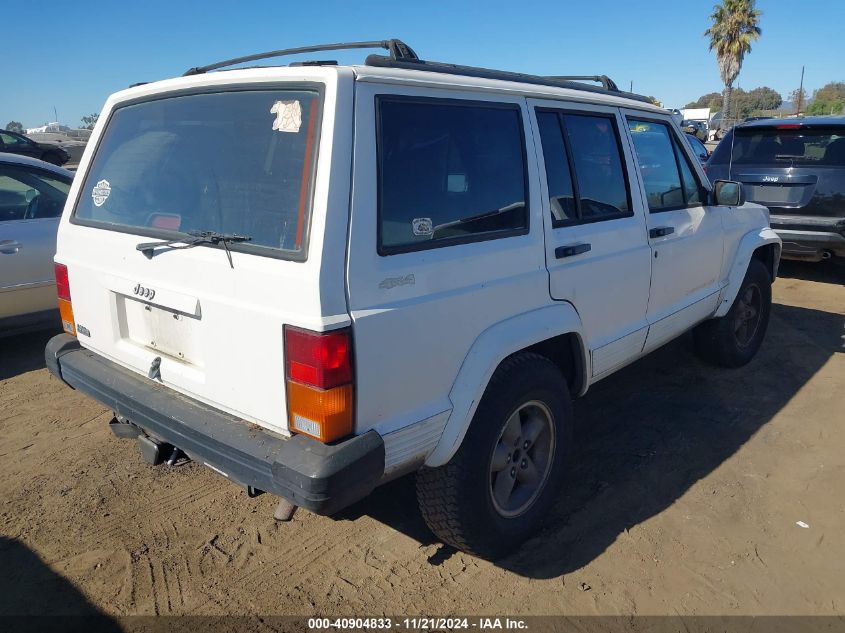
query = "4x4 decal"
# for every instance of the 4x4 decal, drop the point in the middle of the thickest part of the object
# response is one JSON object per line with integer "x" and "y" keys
{"x": 393, "y": 282}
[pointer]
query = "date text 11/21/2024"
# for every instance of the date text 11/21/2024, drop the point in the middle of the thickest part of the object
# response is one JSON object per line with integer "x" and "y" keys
{"x": 417, "y": 624}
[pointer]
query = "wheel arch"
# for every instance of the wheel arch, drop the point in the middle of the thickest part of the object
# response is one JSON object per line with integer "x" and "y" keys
{"x": 769, "y": 254}
{"x": 554, "y": 331}
{"x": 762, "y": 244}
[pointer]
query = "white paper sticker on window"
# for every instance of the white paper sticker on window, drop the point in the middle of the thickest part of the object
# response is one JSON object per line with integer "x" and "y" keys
{"x": 288, "y": 116}
{"x": 422, "y": 226}
{"x": 101, "y": 192}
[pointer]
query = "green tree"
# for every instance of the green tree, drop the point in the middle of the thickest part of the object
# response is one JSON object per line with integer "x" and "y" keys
{"x": 829, "y": 99}
{"x": 654, "y": 101}
{"x": 764, "y": 98}
{"x": 735, "y": 26}
{"x": 712, "y": 100}
{"x": 759, "y": 99}
{"x": 89, "y": 121}
{"x": 15, "y": 126}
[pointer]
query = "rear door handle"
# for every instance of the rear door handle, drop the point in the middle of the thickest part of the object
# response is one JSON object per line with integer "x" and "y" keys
{"x": 569, "y": 251}
{"x": 9, "y": 247}
{"x": 661, "y": 231}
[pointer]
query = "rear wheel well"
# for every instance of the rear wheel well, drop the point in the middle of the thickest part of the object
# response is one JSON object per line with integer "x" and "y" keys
{"x": 565, "y": 351}
{"x": 766, "y": 254}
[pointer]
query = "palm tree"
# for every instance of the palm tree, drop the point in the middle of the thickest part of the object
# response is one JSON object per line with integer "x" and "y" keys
{"x": 735, "y": 26}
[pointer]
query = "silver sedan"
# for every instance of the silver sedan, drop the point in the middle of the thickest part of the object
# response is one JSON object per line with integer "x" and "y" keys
{"x": 32, "y": 196}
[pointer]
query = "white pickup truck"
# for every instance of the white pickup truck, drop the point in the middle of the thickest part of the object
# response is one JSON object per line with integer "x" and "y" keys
{"x": 316, "y": 278}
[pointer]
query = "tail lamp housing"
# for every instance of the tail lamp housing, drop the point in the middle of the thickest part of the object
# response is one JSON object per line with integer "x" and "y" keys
{"x": 65, "y": 306}
{"x": 319, "y": 381}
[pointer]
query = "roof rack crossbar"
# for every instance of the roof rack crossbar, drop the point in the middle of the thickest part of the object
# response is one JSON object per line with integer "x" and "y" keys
{"x": 397, "y": 48}
{"x": 604, "y": 80}
{"x": 570, "y": 82}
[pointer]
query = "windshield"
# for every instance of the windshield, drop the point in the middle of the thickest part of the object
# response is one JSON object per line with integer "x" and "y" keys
{"x": 236, "y": 162}
{"x": 784, "y": 147}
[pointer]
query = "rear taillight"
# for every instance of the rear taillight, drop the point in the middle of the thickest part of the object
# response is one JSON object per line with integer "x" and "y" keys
{"x": 63, "y": 292}
{"x": 318, "y": 371}
{"x": 62, "y": 283}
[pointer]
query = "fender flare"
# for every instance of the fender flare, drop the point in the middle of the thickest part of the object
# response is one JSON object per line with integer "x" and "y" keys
{"x": 749, "y": 243}
{"x": 491, "y": 347}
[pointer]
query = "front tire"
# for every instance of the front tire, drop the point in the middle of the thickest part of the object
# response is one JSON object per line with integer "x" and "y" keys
{"x": 733, "y": 340}
{"x": 497, "y": 488}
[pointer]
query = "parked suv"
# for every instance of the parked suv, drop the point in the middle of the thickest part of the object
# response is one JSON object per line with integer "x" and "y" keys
{"x": 317, "y": 278}
{"x": 796, "y": 167}
{"x": 697, "y": 129}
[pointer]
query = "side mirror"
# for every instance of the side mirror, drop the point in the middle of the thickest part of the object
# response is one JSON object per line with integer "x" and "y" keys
{"x": 727, "y": 193}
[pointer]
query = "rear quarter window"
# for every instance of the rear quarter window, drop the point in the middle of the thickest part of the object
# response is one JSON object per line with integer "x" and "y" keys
{"x": 449, "y": 172}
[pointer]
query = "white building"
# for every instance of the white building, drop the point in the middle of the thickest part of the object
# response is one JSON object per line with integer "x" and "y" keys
{"x": 48, "y": 127}
{"x": 696, "y": 114}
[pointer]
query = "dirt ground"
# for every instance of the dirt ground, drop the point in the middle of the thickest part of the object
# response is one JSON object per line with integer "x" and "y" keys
{"x": 683, "y": 498}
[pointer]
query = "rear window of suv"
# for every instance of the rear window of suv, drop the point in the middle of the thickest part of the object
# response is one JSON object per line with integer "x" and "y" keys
{"x": 238, "y": 162}
{"x": 783, "y": 147}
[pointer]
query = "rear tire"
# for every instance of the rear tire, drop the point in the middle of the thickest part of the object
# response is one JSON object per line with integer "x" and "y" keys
{"x": 733, "y": 340}
{"x": 498, "y": 487}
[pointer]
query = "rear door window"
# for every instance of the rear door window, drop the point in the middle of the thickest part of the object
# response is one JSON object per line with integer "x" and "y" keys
{"x": 449, "y": 172}
{"x": 12, "y": 141}
{"x": 30, "y": 194}
{"x": 584, "y": 168}
{"x": 238, "y": 162}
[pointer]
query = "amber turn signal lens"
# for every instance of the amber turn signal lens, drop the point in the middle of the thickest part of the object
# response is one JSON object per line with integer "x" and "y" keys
{"x": 66, "y": 312}
{"x": 325, "y": 415}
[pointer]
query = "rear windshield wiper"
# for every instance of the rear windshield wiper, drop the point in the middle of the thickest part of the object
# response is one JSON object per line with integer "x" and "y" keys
{"x": 197, "y": 238}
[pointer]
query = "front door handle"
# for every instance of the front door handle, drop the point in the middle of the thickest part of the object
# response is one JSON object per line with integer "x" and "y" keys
{"x": 9, "y": 247}
{"x": 569, "y": 251}
{"x": 661, "y": 231}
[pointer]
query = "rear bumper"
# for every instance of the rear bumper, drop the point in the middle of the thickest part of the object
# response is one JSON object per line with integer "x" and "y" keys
{"x": 810, "y": 236}
{"x": 319, "y": 477}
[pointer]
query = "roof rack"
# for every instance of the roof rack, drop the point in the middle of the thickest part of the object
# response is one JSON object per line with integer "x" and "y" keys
{"x": 398, "y": 51}
{"x": 571, "y": 82}
{"x": 403, "y": 56}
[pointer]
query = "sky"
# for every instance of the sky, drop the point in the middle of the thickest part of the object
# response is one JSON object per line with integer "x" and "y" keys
{"x": 71, "y": 56}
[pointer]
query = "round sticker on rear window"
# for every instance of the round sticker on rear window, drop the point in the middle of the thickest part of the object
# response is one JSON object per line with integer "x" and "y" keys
{"x": 101, "y": 192}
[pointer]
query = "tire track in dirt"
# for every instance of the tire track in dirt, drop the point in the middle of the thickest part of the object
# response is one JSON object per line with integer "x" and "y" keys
{"x": 179, "y": 499}
{"x": 288, "y": 564}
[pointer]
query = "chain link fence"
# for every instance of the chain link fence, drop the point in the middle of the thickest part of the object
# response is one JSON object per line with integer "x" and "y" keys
{"x": 719, "y": 128}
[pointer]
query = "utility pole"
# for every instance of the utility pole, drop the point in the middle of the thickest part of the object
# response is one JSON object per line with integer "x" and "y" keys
{"x": 55, "y": 114}
{"x": 800, "y": 91}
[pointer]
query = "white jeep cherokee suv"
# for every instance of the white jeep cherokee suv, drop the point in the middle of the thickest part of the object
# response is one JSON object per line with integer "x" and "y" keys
{"x": 316, "y": 278}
